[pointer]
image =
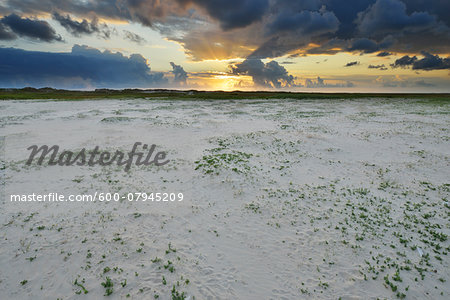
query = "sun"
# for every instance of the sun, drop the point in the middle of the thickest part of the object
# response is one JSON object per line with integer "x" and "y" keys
{"x": 229, "y": 82}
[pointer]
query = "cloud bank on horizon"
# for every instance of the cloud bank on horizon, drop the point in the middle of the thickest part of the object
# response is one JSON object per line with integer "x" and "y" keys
{"x": 82, "y": 67}
{"x": 251, "y": 34}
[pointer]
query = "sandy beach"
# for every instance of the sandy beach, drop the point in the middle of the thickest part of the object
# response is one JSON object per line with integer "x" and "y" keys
{"x": 282, "y": 199}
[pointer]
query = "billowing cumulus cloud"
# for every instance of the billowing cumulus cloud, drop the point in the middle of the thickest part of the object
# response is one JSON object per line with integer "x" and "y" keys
{"x": 26, "y": 27}
{"x": 180, "y": 75}
{"x": 429, "y": 62}
{"x": 84, "y": 27}
{"x": 269, "y": 74}
{"x": 83, "y": 67}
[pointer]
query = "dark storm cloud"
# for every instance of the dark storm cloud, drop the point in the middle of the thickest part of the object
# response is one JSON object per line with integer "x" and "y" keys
{"x": 308, "y": 22}
{"x": 218, "y": 29}
{"x": 233, "y": 13}
{"x": 435, "y": 7}
{"x": 134, "y": 37}
{"x": 431, "y": 62}
{"x": 179, "y": 73}
{"x": 364, "y": 26}
{"x": 290, "y": 30}
{"x": 387, "y": 16}
{"x": 428, "y": 62}
{"x": 352, "y": 63}
{"x": 364, "y": 45}
{"x": 403, "y": 62}
{"x": 84, "y": 27}
{"x": 84, "y": 67}
{"x": 294, "y": 24}
{"x": 31, "y": 28}
{"x": 270, "y": 74}
{"x": 346, "y": 13}
{"x": 412, "y": 30}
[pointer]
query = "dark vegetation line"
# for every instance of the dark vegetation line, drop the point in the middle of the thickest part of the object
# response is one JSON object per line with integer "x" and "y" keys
{"x": 50, "y": 93}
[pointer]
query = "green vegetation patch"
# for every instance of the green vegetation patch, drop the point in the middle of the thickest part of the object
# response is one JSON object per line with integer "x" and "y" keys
{"x": 235, "y": 161}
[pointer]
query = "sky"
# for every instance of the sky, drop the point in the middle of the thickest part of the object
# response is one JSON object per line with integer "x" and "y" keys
{"x": 311, "y": 45}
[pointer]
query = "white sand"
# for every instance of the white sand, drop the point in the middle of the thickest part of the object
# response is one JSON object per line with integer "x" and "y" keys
{"x": 337, "y": 195}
